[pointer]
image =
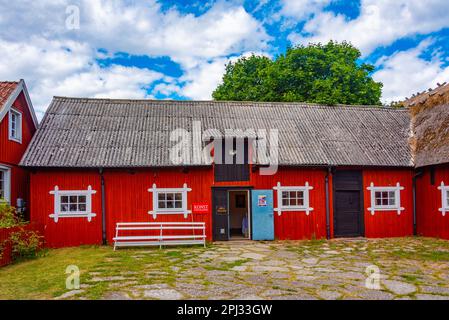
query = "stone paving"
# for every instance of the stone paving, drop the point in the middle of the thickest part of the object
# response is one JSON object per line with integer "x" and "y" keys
{"x": 410, "y": 268}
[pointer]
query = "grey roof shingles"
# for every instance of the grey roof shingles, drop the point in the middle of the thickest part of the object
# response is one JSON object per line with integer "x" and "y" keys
{"x": 87, "y": 133}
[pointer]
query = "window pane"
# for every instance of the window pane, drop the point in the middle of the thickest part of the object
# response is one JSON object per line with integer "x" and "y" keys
{"x": 64, "y": 199}
{"x": 392, "y": 194}
{"x": 73, "y": 199}
{"x": 82, "y": 199}
{"x": 378, "y": 202}
{"x": 170, "y": 196}
{"x": 385, "y": 202}
{"x": 161, "y": 196}
{"x": 73, "y": 207}
{"x": 82, "y": 207}
{"x": 293, "y": 202}
{"x": 384, "y": 195}
{"x": 178, "y": 204}
{"x": 447, "y": 198}
{"x": 301, "y": 202}
{"x": 392, "y": 202}
{"x": 64, "y": 208}
{"x": 284, "y": 195}
{"x": 285, "y": 202}
{"x": 161, "y": 204}
{"x": 170, "y": 204}
{"x": 292, "y": 194}
{"x": 178, "y": 196}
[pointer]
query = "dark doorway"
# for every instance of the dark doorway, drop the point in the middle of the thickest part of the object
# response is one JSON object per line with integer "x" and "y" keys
{"x": 239, "y": 214}
{"x": 348, "y": 204}
{"x": 231, "y": 218}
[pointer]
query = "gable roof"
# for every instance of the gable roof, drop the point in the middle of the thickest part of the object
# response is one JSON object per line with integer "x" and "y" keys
{"x": 430, "y": 126}
{"x": 88, "y": 133}
{"x": 9, "y": 91}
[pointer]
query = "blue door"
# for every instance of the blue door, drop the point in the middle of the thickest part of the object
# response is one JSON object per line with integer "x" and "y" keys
{"x": 262, "y": 215}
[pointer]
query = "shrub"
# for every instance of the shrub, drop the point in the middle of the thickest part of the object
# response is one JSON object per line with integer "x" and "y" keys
{"x": 8, "y": 216}
{"x": 25, "y": 244}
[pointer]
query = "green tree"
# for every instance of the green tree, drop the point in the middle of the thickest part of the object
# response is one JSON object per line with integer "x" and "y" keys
{"x": 325, "y": 74}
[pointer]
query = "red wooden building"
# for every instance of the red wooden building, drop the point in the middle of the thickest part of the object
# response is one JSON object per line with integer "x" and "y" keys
{"x": 430, "y": 123}
{"x": 17, "y": 126}
{"x": 343, "y": 171}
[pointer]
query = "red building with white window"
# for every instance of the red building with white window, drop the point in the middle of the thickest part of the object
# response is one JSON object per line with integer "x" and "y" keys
{"x": 18, "y": 124}
{"x": 343, "y": 171}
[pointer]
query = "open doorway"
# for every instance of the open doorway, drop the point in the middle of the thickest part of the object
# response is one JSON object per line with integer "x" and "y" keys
{"x": 239, "y": 218}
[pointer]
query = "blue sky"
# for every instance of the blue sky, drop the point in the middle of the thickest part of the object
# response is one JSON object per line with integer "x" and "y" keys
{"x": 177, "y": 49}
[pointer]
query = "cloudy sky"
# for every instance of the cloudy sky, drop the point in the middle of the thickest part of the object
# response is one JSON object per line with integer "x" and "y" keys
{"x": 177, "y": 49}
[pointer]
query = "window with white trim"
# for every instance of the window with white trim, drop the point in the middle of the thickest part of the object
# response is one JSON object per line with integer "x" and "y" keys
{"x": 5, "y": 184}
{"x": 72, "y": 204}
{"x": 15, "y": 125}
{"x": 385, "y": 198}
{"x": 444, "y": 198}
{"x": 293, "y": 198}
{"x": 169, "y": 200}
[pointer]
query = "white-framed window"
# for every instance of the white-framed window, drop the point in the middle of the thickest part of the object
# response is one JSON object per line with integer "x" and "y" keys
{"x": 72, "y": 204}
{"x": 169, "y": 201}
{"x": 293, "y": 198}
{"x": 444, "y": 198}
{"x": 15, "y": 125}
{"x": 5, "y": 184}
{"x": 385, "y": 198}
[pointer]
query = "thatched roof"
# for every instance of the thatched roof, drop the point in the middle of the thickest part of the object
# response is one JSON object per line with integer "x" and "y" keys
{"x": 430, "y": 126}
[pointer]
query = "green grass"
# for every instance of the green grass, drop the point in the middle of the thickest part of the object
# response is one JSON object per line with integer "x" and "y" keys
{"x": 45, "y": 277}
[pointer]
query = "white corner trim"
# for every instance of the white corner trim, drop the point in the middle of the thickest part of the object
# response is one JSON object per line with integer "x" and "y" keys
{"x": 7, "y": 180}
{"x": 57, "y": 204}
{"x": 306, "y": 207}
{"x": 155, "y": 190}
{"x": 21, "y": 87}
{"x": 397, "y": 190}
{"x": 444, "y": 205}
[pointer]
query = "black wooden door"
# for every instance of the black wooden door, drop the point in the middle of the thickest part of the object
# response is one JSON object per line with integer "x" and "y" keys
{"x": 220, "y": 214}
{"x": 348, "y": 204}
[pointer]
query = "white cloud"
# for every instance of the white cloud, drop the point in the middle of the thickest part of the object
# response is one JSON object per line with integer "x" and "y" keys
{"x": 405, "y": 73}
{"x": 50, "y": 57}
{"x": 380, "y": 23}
{"x": 302, "y": 9}
{"x": 67, "y": 68}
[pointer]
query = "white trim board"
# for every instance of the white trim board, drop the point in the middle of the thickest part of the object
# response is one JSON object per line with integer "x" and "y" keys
{"x": 21, "y": 87}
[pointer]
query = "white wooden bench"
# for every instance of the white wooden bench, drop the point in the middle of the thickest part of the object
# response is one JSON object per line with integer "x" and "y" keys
{"x": 197, "y": 236}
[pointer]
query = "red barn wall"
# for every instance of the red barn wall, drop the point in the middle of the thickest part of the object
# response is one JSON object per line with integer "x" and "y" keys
{"x": 128, "y": 200}
{"x": 11, "y": 152}
{"x": 430, "y": 221}
{"x": 385, "y": 224}
{"x": 67, "y": 231}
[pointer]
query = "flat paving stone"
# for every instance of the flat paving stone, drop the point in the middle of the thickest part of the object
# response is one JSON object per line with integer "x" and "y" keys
{"x": 399, "y": 287}
{"x": 253, "y": 255}
{"x": 116, "y": 295}
{"x": 329, "y": 295}
{"x": 431, "y": 297}
{"x": 163, "y": 294}
{"x": 69, "y": 294}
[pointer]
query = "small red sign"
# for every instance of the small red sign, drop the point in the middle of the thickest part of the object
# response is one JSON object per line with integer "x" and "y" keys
{"x": 200, "y": 207}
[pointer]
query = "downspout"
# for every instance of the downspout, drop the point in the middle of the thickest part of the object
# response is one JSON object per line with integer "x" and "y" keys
{"x": 328, "y": 226}
{"x": 103, "y": 207}
{"x": 417, "y": 174}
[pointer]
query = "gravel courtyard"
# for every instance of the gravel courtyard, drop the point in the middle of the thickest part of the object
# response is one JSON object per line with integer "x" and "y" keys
{"x": 410, "y": 268}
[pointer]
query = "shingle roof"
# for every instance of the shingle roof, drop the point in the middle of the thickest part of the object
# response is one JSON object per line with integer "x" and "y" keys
{"x": 79, "y": 132}
{"x": 6, "y": 89}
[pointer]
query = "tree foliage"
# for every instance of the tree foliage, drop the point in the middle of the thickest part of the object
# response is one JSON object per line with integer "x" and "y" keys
{"x": 318, "y": 73}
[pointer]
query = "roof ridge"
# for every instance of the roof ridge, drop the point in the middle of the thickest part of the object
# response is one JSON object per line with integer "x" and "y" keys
{"x": 261, "y": 103}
